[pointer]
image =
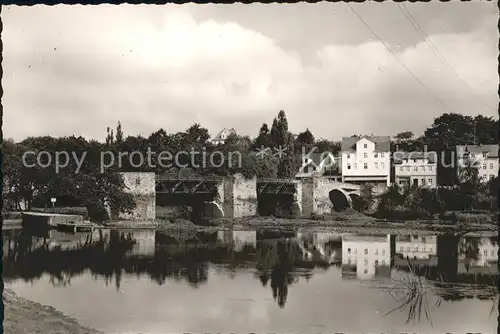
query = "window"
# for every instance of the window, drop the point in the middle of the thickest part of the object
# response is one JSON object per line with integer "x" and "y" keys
{"x": 430, "y": 249}
{"x": 365, "y": 145}
{"x": 366, "y": 262}
{"x": 376, "y": 252}
{"x": 422, "y": 168}
{"x": 416, "y": 249}
{"x": 484, "y": 166}
{"x": 137, "y": 181}
{"x": 401, "y": 249}
{"x": 366, "y": 271}
{"x": 376, "y": 165}
{"x": 382, "y": 165}
{"x": 429, "y": 168}
{"x": 415, "y": 169}
{"x": 375, "y": 155}
{"x": 485, "y": 154}
{"x": 414, "y": 160}
{"x": 381, "y": 154}
{"x": 348, "y": 251}
{"x": 407, "y": 168}
{"x": 348, "y": 166}
{"x": 348, "y": 155}
{"x": 400, "y": 169}
{"x": 485, "y": 252}
{"x": 422, "y": 182}
{"x": 365, "y": 155}
{"x": 429, "y": 181}
{"x": 383, "y": 262}
{"x": 366, "y": 251}
{"x": 365, "y": 165}
{"x": 376, "y": 263}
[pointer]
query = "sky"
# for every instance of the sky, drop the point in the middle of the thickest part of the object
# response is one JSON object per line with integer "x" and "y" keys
{"x": 74, "y": 70}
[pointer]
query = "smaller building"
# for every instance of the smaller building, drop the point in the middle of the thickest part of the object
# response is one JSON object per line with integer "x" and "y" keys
{"x": 319, "y": 165}
{"x": 222, "y": 136}
{"x": 238, "y": 239}
{"x": 482, "y": 157}
{"x": 415, "y": 169}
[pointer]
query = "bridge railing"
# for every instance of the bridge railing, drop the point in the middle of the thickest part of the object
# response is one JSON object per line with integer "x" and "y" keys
{"x": 188, "y": 178}
{"x": 276, "y": 180}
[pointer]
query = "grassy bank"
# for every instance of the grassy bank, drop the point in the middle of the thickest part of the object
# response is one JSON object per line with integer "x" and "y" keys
{"x": 23, "y": 316}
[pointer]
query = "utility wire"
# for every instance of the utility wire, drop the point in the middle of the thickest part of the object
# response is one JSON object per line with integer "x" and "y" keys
{"x": 399, "y": 60}
{"x": 422, "y": 33}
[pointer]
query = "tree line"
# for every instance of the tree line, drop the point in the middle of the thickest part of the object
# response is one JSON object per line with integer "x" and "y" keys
{"x": 34, "y": 186}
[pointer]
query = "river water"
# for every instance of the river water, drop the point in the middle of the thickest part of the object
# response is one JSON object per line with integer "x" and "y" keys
{"x": 247, "y": 281}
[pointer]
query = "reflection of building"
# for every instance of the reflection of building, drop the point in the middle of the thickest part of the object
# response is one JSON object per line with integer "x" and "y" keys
{"x": 486, "y": 256}
{"x": 321, "y": 245}
{"x": 144, "y": 243}
{"x": 238, "y": 239}
{"x": 366, "y": 257}
{"x": 416, "y": 246}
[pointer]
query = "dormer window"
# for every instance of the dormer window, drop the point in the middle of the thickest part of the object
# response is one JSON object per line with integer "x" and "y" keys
{"x": 485, "y": 154}
{"x": 365, "y": 145}
{"x": 348, "y": 155}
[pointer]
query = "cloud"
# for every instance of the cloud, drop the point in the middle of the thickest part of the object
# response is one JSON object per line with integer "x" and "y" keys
{"x": 77, "y": 69}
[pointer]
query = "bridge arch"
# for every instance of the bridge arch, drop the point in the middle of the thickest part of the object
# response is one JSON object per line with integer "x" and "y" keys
{"x": 340, "y": 199}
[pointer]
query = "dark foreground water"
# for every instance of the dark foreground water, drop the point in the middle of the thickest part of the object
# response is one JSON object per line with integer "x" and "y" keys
{"x": 145, "y": 281}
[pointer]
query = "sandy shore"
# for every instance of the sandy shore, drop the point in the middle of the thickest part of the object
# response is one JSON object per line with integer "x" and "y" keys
{"x": 23, "y": 316}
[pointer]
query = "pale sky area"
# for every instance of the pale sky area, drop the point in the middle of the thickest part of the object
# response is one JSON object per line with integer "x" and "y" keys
{"x": 77, "y": 69}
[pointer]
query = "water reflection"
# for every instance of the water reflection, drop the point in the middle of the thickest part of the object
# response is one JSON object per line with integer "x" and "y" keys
{"x": 408, "y": 267}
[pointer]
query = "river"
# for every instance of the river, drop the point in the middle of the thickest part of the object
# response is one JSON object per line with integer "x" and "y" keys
{"x": 247, "y": 281}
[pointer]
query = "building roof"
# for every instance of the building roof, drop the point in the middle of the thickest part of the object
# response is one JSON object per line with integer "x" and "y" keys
{"x": 400, "y": 156}
{"x": 492, "y": 150}
{"x": 382, "y": 143}
{"x": 219, "y": 135}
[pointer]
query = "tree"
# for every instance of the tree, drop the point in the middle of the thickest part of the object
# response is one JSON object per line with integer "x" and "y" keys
{"x": 305, "y": 138}
{"x": 119, "y": 133}
{"x": 264, "y": 137}
{"x": 404, "y": 136}
{"x": 279, "y": 130}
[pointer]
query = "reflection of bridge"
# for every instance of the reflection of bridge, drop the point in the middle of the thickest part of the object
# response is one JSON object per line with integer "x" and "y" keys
{"x": 236, "y": 196}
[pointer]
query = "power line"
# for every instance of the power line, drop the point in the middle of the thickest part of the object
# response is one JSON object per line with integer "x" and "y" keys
{"x": 422, "y": 33}
{"x": 399, "y": 60}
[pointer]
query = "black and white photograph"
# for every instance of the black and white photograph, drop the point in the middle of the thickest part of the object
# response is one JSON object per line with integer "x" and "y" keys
{"x": 326, "y": 167}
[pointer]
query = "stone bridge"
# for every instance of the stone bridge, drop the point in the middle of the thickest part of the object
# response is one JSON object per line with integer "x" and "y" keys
{"x": 236, "y": 196}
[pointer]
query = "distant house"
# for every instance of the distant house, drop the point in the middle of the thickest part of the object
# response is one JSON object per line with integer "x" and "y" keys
{"x": 222, "y": 136}
{"x": 366, "y": 159}
{"x": 415, "y": 169}
{"x": 483, "y": 157}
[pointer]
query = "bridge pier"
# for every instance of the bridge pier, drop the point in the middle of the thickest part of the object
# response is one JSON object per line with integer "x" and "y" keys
{"x": 240, "y": 197}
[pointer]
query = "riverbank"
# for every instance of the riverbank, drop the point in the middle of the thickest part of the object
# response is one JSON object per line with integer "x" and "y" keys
{"x": 23, "y": 316}
{"x": 347, "y": 223}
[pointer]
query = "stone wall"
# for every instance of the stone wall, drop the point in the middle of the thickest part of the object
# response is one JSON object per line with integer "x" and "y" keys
{"x": 142, "y": 186}
{"x": 307, "y": 190}
{"x": 321, "y": 195}
{"x": 240, "y": 197}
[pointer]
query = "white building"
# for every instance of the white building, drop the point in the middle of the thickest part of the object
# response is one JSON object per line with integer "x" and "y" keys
{"x": 222, "y": 136}
{"x": 419, "y": 247}
{"x": 416, "y": 169}
{"x": 366, "y": 257}
{"x": 483, "y": 157}
{"x": 366, "y": 159}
